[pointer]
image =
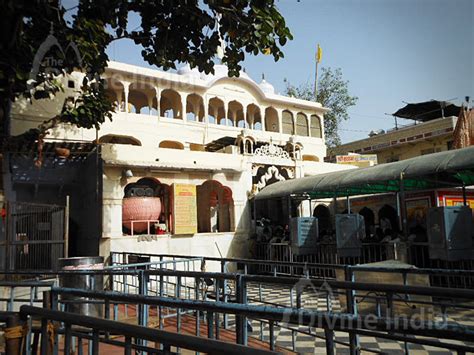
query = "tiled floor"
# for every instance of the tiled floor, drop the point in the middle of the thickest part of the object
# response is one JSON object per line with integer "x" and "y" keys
{"x": 315, "y": 343}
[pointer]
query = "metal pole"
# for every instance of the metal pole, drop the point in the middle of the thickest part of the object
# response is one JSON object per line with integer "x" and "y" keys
{"x": 289, "y": 209}
{"x": 316, "y": 81}
{"x": 352, "y": 309}
{"x": 403, "y": 207}
{"x": 13, "y": 344}
{"x": 254, "y": 202}
{"x": 464, "y": 195}
{"x": 66, "y": 228}
{"x": 348, "y": 201}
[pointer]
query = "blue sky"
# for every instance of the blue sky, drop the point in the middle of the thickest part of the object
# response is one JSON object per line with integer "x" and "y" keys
{"x": 390, "y": 51}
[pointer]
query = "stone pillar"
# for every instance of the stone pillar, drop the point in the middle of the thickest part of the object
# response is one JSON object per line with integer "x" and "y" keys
{"x": 295, "y": 116}
{"x": 308, "y": 119}
{"x": 280, "y": 120}
{"x": 158, "y": 95}
{"x": 184, "y": 98}
{"x": 262, "y": 117}
{"x": 112, "y": 203}
{"x": 206, "y": 111}
{"x": 126, "y": 86}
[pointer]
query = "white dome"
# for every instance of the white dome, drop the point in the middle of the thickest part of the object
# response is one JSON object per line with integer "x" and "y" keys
{"x": 266, "y": 87}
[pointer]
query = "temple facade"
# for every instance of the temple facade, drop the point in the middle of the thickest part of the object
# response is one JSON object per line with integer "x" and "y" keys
{"x": 180, "y": 159}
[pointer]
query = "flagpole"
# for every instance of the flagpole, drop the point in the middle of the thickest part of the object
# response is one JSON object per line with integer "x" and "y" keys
{"x": 316, "y": 81}
{"x": 318, "y": 59}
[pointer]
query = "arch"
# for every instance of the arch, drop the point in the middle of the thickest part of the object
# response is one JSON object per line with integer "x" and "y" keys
{"x": 390, "y": 213}
{"x": 171, "y": 145}
{"x": 324, "y": 218}
{"x": 369, "y": 218}
{"x": 249, "y": 146}
{"x": 170, "y": 104}
{"x": 140, "y": 97}
{"x": 115, "y": 92}
{"x": 271, "y": 120}
{"x": 235, "y": 115}
{"x": 118, "y": 139}
{"x": 308, "y": 157}
{"x": 216, "y": 110}
{"x": 316, "y": 130}
{"x": 302, "y": 125}
{"x": 254, "y": 116}
{"x": 194, "y": 108}
{"x": 215, "y": 206}
{"x": 287, "y": 122}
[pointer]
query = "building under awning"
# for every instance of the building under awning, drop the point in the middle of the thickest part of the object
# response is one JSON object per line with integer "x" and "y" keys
{"x": 454, "y": 168}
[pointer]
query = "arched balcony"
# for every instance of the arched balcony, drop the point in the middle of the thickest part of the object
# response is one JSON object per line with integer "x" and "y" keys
{"x": 235, "y": 116}
{"x": 271, "y": 120}
{"x": 316, "y": 130}
{"x": 170, "y": 104}
{"x": 141, "y": 98}
{"x": 254, "y": 117}
{"x": 114, "y": 92}
{"x": 194, "y": 108}
{"x": 216, "y": 110}
{"x": 302, "y": 128}
{"x": 287, "y": 123}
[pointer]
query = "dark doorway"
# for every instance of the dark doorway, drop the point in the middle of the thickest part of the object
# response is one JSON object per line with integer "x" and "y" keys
{"x": 390, "y": 213}
{"x": 369, "y": 219}
{"x": 321, "y": 212}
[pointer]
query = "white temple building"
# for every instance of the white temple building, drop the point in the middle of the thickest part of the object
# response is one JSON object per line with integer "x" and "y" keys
{"x": 201, "y": 145}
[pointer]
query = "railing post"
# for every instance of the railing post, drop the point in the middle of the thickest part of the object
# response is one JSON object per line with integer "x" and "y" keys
{"x": 329, "y": 335}
{"x": 241, "y": 321}
{"x": 67, "y": 339}
{"x": 210, "y": 324}
{"x": 351, "y": 309}
{"x": 13, "y": 335}
{"x": 224, "y": 292}
{"x": 44, "y": 346}
{"x": 142, "y": 308}
{"x": 272, "y": 335}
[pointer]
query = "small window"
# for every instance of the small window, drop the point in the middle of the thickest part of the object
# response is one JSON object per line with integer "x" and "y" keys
{"x": 71, "y": 84}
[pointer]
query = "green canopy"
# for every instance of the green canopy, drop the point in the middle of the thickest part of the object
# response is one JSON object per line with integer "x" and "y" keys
{"x": 446, "y": 169}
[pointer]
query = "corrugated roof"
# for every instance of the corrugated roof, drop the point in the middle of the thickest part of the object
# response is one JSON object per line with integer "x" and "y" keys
{"x": 450, "y": 168}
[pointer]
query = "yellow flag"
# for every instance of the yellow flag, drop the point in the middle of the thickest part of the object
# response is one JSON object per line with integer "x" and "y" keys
{"x": 319, "y": 54}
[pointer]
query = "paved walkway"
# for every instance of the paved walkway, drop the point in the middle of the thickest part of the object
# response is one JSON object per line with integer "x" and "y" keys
{"x": 315, "y": 343}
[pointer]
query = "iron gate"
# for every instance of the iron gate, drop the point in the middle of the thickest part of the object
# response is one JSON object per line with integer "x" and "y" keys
{"x": 32, "y": 236}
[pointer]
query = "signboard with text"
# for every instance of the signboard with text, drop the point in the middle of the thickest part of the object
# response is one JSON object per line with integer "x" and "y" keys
{"x": 360, "y": 160}
{"x": 184, "y": 209}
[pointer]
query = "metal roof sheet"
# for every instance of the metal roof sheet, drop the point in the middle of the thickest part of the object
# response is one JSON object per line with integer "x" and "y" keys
{"x": 450, "y": 168}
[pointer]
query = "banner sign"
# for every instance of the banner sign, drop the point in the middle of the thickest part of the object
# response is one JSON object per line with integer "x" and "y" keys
{"x": 184, "y": 209}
